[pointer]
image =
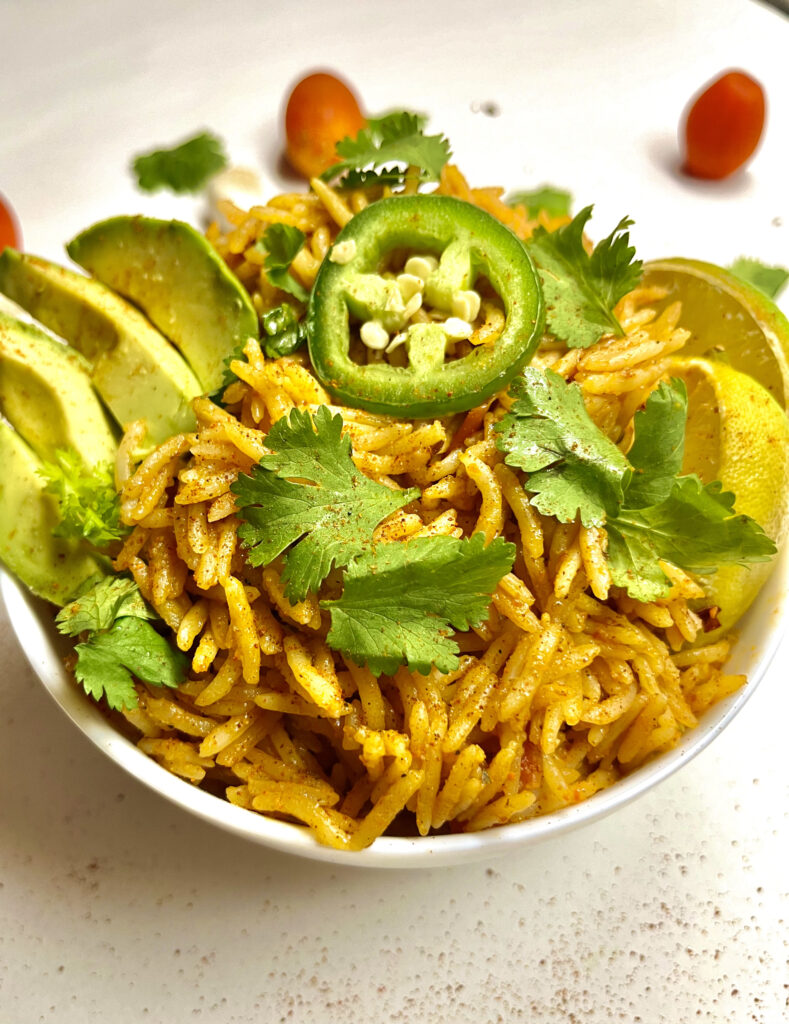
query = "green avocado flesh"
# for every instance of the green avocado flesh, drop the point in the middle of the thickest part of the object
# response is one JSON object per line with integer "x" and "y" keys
{"x": 177, "y": 279}
{"x": 49, "y": 566}
{"x": 46, "y": 393}
{"x": 138, "y": 374}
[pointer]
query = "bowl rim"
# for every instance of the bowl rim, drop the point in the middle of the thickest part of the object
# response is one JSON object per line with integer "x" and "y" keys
{"x": 32, "y": 623}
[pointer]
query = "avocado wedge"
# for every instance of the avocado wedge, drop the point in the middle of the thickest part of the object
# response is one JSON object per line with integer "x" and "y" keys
{"x": 46, "y": 393}
{"x": 177, "y": 279}
{"x": 135, "y": 370}
{"x": 49, "y": 566}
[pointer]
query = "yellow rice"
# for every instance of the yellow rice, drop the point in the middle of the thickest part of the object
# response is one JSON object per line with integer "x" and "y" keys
{"x": 567, "y": 686}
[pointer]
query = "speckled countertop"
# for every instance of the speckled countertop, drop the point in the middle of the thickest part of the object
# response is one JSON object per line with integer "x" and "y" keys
{"x": 115, "y": 906}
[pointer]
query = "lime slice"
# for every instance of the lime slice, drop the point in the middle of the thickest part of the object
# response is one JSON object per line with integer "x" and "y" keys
{"x": 730, "y": 321}
{"x": 738, "y": 434}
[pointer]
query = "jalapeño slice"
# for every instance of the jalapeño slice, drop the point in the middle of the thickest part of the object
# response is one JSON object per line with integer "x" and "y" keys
{"x": 467, "y": 244}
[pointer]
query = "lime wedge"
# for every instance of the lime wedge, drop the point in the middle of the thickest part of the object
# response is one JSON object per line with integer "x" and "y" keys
{"x": 730, "y": 321}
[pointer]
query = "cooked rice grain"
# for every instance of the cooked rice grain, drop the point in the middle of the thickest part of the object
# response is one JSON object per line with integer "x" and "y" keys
{"x": 568, "y": 686}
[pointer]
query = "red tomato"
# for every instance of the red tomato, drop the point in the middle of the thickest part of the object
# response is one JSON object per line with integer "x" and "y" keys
{"x": 723, "y": 126}
{"x": 9, "y": 227}
{"x": 321, "y": 110}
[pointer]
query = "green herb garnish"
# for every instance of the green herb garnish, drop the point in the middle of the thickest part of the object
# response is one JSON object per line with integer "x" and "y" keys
{"x": 121, "y": 643}
{"x": 282, "y": 332}
{"x": 98, "y": 606}
{"x": 649, "y": 511}
{"x": 582, "y": 290}
{"x": 573, "y": 468}
{"x": 658, "y": 445}
{"x": 770, "y": 280}
{"x": 672, "y": 517}
{"x": 396, "y": 138}
{"x": 696, "y": 528}
{"x": 308, "y": 493}
{"x": 183, "y": 168}
{"x": 554, "y": 201}
{"x": 281, "y": 243}
{"x": 402, "y": 601}
{"x": 88, "y": 503}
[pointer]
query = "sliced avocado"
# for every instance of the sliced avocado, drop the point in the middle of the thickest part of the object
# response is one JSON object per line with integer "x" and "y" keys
{"x": 136, "y": 371}
{"x": 45, "y": 392}
{"x": 51, "y": 567}
{"x": 179, "y": 281}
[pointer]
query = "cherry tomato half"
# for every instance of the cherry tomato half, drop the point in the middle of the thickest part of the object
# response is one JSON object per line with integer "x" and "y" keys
{"x": 9, "y": 226}
{"x": 723, "y": 126}
{"x": 321, "y": 110}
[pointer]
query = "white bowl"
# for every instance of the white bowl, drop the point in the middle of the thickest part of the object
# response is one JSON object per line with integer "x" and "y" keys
{"x": 32, "y": 621}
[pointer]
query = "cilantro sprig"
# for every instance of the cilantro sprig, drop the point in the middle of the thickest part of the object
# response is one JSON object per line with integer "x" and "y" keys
{"x": 401, "y": 601}
{"x": 88, "y": 503}
{"x": 120, "y": 643}
{"x": 770, "y": 280}
{"x": 667, "y": 516}
{"x": 281, "y": 331}
{"x": 281, "y": 243}
{"x": 308, "y": 496}
{"x": 650, "y": 511}
{"x": 582, "y": 290}
{"x": 658, "y": 445}
{"x": 396, "y": 139}
{"x": 573, "y": 468}
{"x": 695, "y": 527}
{"x": 281, "y": 334}
{"x": 185, "y": 167}
{"x": 555, "y": 202}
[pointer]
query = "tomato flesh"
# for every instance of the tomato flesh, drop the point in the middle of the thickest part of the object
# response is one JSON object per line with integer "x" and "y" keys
{"x": 723, "y": 126}
{"x": 10, "y": 234}
{"x": 321, "y": 110}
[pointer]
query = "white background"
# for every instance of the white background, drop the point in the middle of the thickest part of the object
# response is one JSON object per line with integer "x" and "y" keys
{"x": 115, "y": 906}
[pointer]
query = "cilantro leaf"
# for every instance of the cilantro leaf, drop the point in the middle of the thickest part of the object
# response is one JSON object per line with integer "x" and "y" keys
{"x": 229, "y": 376}
{"x": 281, "y": 243}
{"x": 696, "y": 528}
{"x": 106, "y": 662}
{"x": 98, "y": 608}
{"x": 281, "y": 334}
{"x": 659, "y": 444}
{"x": 88, "y": 503}
{"x": 101, "y": 675}
{"x": 308, "y": 487}
{"x": 770, "y": 280}
{"x": 649, "y": 512}
{"x": 581, "y": 290}
{"x": 391, "y": 176}
{"x": 573, "y": 467}
{"x": 401, "y": 601}
{"x": 555, "y": 201}
{"x": 121, "y": 643}
{"x": 183, "y": 168}
{"x": 633, "y": 563}
{"x": 398, "y": 138}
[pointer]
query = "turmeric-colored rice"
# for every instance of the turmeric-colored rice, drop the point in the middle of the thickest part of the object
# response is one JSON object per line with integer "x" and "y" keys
{"x": 570, "y": 683}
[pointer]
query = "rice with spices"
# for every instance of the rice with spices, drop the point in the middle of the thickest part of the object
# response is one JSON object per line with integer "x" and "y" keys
{"x": 566, "y": 687}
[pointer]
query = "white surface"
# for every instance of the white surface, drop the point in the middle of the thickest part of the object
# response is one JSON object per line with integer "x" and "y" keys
{"x": 116, "y": 906}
